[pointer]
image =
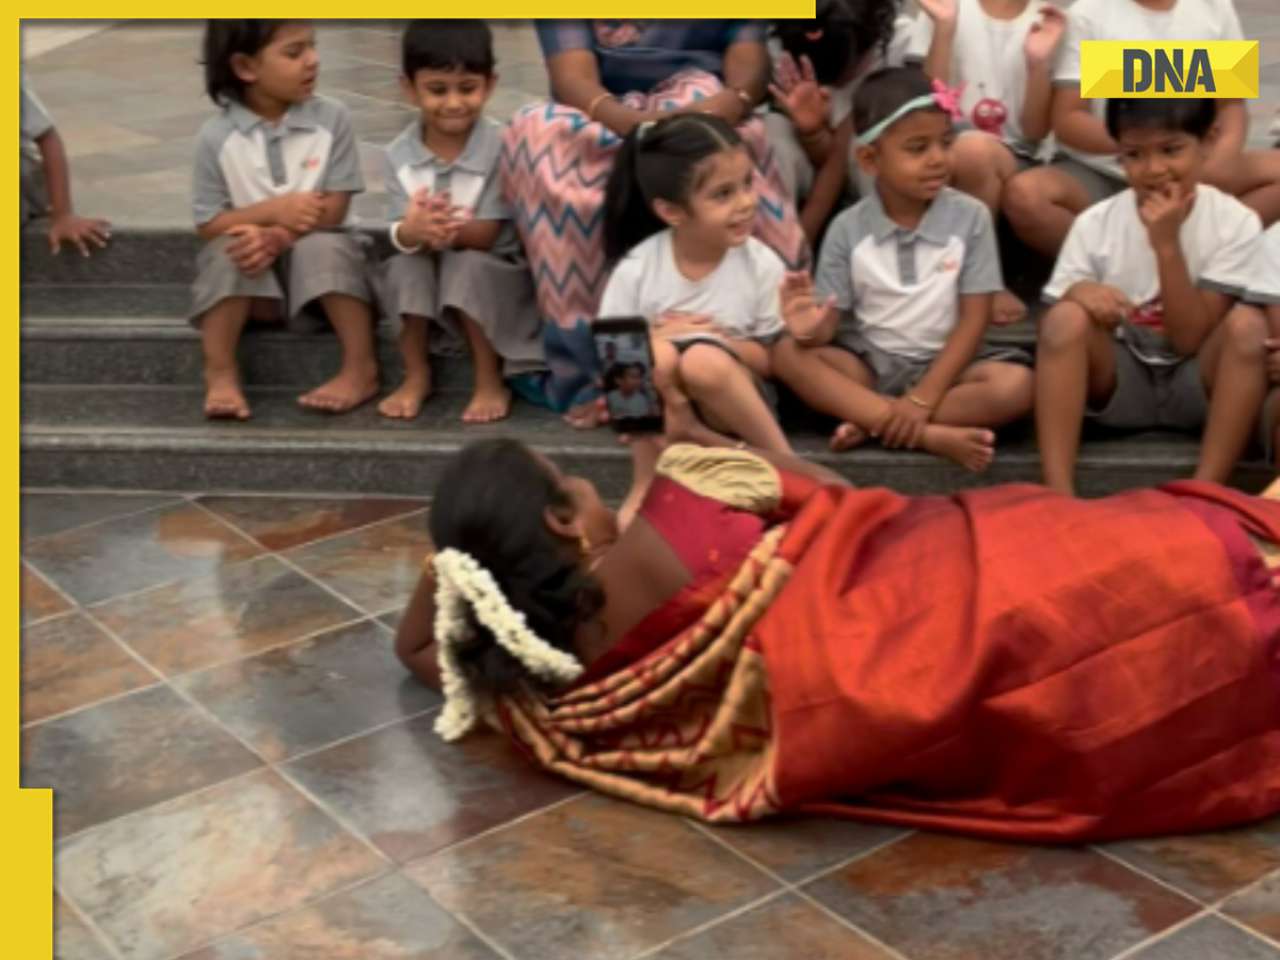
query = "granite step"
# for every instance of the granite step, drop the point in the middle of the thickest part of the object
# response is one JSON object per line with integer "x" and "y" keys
{"x": 121, "y": 437}
{"x": 122, "y": 333}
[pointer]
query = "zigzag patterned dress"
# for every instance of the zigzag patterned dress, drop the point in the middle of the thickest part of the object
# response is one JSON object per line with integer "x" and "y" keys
{"x": 554, "y": 166}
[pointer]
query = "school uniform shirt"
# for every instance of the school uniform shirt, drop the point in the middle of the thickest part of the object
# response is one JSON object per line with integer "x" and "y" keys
{"x": 471, "y": 179}
{"x": 987, "y": 62}
{"x": 1126, "y": 20}
{"x": 900, "y": 289}
{"x": 637, "y": 55}
{"x": 1264, "y": 281}
{"x": 742, "y": 294}
{"x": 1109, "y": 244}
{"x": 34, "y": 121}
{"x": 242, "y": 159}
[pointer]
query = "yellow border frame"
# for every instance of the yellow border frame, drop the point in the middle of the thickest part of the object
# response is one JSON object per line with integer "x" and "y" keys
{"x": 27, "y": 815}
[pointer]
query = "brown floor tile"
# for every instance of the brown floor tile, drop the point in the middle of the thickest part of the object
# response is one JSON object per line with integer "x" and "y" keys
{"x": 177, "y": 876}
{"x": 1259, "y": 907}
{"x": 279, "y": 523}
{"x": 591, "y": 878}
{"x": 377, "y": 567}
{"x": 109, "y": 760}
{"x": 72, "y": 940}
{"x": 1208, "y": 866}
{"x": 239, "y": 610}
{"x": 38, "y": 598}
{"x": 796, "y": 848}
{"x": 387, "y": 919}
{"x": 946, "y": 898}
{"x": 68, "y": 662}
{"x": 1209, "y": 938}
{"x": 310, "y": 693}
{"x": 787, "y": 928}
{"x": 412, "y": 794}
{"x": 44, "y": 514}
{"x": 161, "y": 545}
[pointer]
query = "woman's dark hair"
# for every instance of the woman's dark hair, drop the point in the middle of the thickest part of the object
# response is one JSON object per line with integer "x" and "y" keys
{"x": 465, "y": 45}
{"x": 223, "y": 39}
{"x": 884, "y": 91}
{"x": 840, "y": 35}
{"x": 490, "y": 503}
{"x": 1194, "y": 117}
{"x": 657, "y": 162}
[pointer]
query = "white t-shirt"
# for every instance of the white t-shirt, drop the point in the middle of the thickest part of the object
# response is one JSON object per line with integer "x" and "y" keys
{"x": 1108, "y": 243}
{"x": 1126, "y": 20}
{"x": 988, "y": 63}
{"x": 1264, "y": 283}
{"x": 742, "y": 293}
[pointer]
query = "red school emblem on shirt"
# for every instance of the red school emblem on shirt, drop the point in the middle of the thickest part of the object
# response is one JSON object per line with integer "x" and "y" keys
{"x": 310, "y": 163}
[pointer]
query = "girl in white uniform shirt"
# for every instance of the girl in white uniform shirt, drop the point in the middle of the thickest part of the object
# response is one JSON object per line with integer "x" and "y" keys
{"x": 679, "y": 210}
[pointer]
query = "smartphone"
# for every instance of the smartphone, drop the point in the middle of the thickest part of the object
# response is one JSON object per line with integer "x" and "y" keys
{"x": 626, "y": 368}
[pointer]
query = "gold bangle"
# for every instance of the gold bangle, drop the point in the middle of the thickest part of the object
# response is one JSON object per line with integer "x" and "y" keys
{"x": 428, "y": 561}
{"x": 912, "y": 398}
{"x": 595, "y": 102}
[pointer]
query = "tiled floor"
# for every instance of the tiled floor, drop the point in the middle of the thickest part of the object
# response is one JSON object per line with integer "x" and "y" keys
{"x": 243, "y": 772}
{"x": 128, "y": 101}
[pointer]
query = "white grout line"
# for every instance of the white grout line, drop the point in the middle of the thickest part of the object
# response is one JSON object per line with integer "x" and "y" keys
{"x": 476, "y": 932}
{"x": 293, "y": 565}
{"x": 1256, "y": 934}
{"x": 318, "y": 540}
{"x": 89, "y": 923}
{"x": 1165, "y": 934}
{"x": 861, "y": 855}
{"x": 497, "y": 828}
{"x": 710, "y": 924}
{"x": 1204, "y": 905}
{"x": 103, "y": 701}
{"x": 406, "y": 718}
{"x": 849, "y": 924}
{"x": 795, "y": 889}
{"x": 333, "y": 815}
{"x": 272, "y": 917}
{"x": 177, "y": 501}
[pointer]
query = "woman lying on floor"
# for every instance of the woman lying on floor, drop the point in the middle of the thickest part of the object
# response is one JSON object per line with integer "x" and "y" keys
{"x": 762, "y": 637}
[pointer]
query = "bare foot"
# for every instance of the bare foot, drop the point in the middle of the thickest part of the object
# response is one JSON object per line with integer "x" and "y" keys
{"x": 1007, "y": 309}
{"x": 223, "y": 398}
{"x": 488, "y": 405}
{"x": 847, "y": 436}
{"x": 406, "y": 401}
{"x": 345, "y": 392}
{"x": 971, "y": 447}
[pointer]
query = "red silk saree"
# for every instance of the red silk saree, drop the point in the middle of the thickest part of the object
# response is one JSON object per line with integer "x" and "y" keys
{"x": 1003, "y": 662}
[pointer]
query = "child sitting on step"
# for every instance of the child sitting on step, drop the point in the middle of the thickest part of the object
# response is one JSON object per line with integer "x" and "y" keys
{"x": 1136, "y": 338}
{"x": 460, "y": 269}
{"x": 274, "y": 173}
{"x": 680, "y": 207}
{"x": 1262, "y": 300}
{"x": 999, "y": 54}
{"x": 891, "y": 341}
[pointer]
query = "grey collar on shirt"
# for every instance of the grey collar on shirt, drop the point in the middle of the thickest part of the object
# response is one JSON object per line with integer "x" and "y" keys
{"x": 934, "y": 227}
{"x": 297, "y": 117}
{"x": 475, "y": 158}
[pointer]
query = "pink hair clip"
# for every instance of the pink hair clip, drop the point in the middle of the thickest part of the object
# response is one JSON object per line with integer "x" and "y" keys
{"x": 948, "y": 98}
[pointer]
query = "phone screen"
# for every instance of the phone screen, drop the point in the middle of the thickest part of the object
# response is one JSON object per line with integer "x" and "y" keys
{"x": 626, "y": 366}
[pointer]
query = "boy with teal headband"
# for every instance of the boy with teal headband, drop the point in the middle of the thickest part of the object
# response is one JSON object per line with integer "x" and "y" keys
{"x": 891, "y": 341}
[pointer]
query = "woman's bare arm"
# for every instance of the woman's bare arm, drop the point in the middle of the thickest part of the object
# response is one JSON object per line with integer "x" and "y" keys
{"x": 415, "y": 637}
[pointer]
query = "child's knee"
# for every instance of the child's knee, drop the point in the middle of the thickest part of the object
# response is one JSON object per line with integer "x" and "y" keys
{"x": 1065, "y": 326}
{"x": 1246, "y": 332}
{"x": 704, "y": 367}
{"x": 1024, "y": 196}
